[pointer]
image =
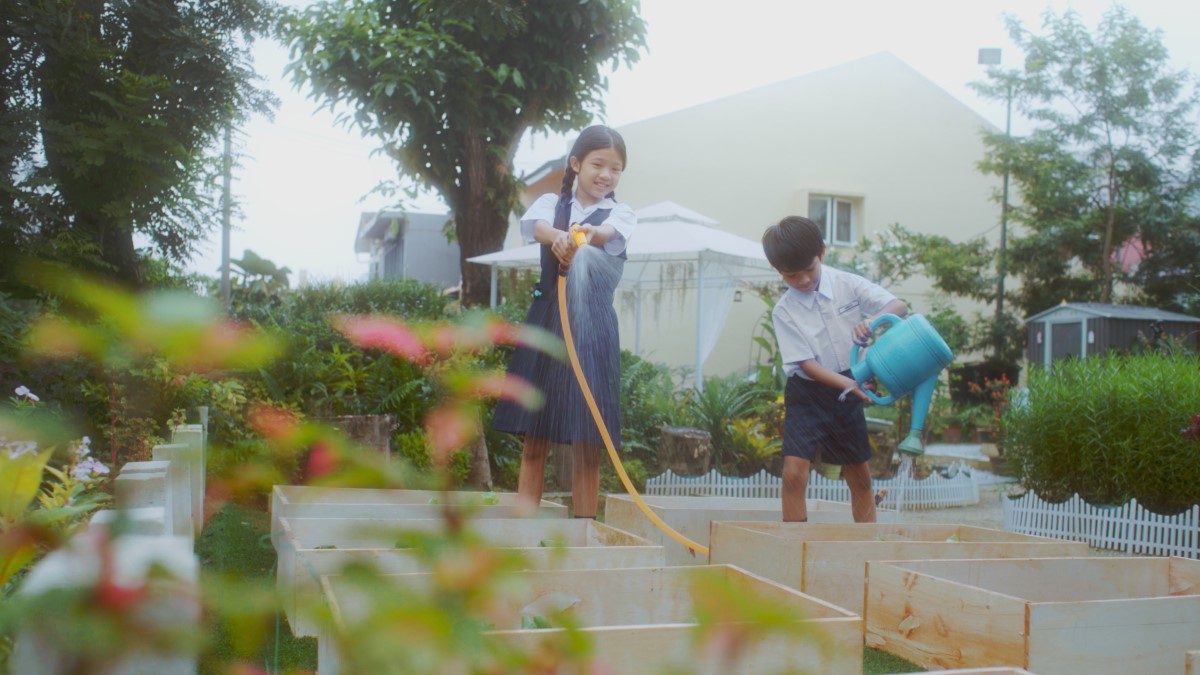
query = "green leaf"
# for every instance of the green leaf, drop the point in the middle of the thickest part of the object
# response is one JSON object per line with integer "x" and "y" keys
{"x": 20, "y": 478}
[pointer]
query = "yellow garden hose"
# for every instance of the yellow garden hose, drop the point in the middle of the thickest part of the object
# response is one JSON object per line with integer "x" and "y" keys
{"x": 692, "y": 546}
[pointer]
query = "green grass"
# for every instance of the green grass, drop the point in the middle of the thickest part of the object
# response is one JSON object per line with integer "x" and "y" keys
{"x": 876, "y": 662}
{"x": 235, "y": 543}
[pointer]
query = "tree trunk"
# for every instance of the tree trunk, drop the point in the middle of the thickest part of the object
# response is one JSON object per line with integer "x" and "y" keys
{"x": 484, "y": 200}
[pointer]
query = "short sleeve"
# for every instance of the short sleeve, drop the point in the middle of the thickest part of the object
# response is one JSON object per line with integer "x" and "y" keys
{"x": 793, "y": 347}
{"x": 541, "y": 209}
{"x": 872, "y": 297}
{"x": 624, "y": 220}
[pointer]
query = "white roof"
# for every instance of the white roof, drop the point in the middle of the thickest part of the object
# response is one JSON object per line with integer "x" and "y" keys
{"x": 667, "y": 234}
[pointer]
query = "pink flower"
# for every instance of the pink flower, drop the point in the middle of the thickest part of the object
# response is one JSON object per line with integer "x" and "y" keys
{"x": 381, "y": 332}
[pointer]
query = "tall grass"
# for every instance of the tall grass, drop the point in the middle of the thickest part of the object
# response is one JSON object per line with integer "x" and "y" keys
{"x": 1109, "y": 428}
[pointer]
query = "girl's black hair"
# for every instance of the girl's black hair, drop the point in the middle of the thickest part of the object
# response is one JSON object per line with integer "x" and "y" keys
{"x": 596, "y": 137}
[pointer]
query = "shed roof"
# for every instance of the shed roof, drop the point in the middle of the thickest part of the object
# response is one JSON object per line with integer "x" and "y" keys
{"x": 1096, "y": 309}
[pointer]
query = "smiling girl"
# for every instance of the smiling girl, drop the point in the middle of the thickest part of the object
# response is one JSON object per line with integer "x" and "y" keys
{"x": 588, "y": 197}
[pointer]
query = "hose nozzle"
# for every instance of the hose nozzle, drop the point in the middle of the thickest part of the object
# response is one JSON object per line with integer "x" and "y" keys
{"x": 580, "y": 239}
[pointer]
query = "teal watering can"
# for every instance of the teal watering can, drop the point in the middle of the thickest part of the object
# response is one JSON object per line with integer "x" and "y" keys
{"x": 908, "y": 357}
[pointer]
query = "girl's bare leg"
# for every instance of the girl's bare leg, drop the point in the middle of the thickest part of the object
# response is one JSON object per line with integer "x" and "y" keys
{"x": 585, "y": 479}
{"x": 533, "y": 470}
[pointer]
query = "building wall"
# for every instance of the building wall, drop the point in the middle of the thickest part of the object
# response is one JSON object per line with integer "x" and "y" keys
{"x": 874, "y": 131}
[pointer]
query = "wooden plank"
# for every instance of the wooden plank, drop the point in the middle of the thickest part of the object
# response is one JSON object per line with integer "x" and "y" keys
{"x": 826, "y": 560}
{"x": 312, "y": 547}
{"x": 1116, "y": 637}
{"x": 641, "y": 620}
{"x": 937, "y": 623}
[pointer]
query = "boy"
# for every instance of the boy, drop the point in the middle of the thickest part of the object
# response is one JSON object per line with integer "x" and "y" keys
{"x": 817, "y": 320}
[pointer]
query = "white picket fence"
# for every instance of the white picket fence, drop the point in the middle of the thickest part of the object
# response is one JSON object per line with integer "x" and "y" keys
{"x": 904, "y": 493}
{"x": 1129, "y": 528}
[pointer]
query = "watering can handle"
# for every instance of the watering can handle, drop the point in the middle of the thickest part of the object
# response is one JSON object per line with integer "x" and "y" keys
{"x": 879, "y": 400}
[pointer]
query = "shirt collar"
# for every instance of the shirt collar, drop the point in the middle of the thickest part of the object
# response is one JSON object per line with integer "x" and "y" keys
{"x": 824, "y": 289}
{"x": 606, "y": 203}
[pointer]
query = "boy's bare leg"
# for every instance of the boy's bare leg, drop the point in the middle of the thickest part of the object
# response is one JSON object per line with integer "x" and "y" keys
{"x": 533, "y": 470}
{"x": 862, "y": 502}
{"x": 585, "y": 479}
{"x": 795, "y": 487}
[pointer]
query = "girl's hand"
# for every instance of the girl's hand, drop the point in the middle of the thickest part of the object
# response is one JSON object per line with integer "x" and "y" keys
{"x": 588, "y": 231}
{"x": 563, "y": 247}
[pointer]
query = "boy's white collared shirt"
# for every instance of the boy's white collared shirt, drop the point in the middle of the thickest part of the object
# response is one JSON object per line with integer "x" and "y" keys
{"x": 820, "y": 325}
{"x": 622, "y": 218}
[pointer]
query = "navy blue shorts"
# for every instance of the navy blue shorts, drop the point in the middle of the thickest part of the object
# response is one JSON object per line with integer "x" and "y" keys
{"x": 816, "y": 425}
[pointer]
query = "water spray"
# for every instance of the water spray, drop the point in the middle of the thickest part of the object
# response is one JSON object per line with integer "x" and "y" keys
{"x": 580, "y": 239}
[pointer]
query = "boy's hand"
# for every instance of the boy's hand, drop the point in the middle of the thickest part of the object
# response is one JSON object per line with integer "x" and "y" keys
{"x": 862, "y": 333}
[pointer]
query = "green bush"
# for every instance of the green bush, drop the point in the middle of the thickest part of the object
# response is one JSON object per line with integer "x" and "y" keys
{"x": 648, "y": 403}
{"x": 412, "y": 448}
{"x": 1110, "y": 429}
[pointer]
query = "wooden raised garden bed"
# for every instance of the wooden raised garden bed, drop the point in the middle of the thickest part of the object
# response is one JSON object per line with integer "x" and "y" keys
{"x": 311, "y": 547}
{"x": 692, "y": 517}
{"x": 639, "y": 620}
{"x": 827, "y": 560}
{"x": 1051, "y": 616}
{"x": 303, "y": 501}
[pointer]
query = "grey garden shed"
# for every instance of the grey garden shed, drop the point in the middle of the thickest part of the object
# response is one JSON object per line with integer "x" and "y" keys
{"x": 1082, "y": 329}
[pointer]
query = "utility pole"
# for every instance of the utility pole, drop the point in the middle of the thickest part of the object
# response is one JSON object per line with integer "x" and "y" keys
{"x": 226, "y": 214}
{"x": 991, "y": 57}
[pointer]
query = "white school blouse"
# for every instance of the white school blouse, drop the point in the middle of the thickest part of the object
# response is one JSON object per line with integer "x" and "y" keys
{"x": 820, "y": 325}
{"x": 622, "y": 218}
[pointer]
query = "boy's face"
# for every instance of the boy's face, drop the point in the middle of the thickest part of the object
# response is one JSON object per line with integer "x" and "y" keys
{"x": 805, "y": 280}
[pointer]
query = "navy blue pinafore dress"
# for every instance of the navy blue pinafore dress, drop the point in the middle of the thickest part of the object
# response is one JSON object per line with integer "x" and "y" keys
{"x": 565, "y": 416}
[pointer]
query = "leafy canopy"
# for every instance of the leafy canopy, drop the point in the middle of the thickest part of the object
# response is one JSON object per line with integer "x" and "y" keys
{"x": 449, "y": 87}
{"x": 1110, "y": 169}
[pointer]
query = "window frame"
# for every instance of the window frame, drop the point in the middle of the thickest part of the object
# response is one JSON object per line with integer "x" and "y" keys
{"x": 831, "y": 226}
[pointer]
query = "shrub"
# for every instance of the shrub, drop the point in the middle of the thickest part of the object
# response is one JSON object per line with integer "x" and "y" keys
{"x": 1110, "y": 429}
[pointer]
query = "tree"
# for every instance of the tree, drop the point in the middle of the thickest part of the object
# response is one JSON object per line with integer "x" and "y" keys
{"x": 1112, "y": 164}
{"x": 449, "y": 88}
{"x": 956, "y": 269}
{"x": 110, "y": 112}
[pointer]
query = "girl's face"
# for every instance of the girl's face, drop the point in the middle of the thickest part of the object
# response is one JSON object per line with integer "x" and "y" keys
{"x": 597, "y": 174}
{"x": 807, "y": 279}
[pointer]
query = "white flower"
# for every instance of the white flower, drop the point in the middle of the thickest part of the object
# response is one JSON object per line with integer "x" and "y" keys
{"x": 24, "y": 392}
{"x": 84, "y": 448}
{"x": 85, "y": 469}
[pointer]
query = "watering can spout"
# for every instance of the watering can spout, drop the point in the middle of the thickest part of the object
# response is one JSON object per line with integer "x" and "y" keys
{"x": 922, "y": 398}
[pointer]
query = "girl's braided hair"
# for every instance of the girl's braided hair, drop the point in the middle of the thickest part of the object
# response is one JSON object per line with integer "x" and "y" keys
{"x": 595, "y": 137}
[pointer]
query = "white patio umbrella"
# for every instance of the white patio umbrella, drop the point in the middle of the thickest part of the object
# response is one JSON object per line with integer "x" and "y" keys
{"x": 672, "y": 246}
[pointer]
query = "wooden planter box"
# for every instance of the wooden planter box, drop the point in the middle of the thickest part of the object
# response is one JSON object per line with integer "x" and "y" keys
{"x": 640, "y": 620}
{"x": 692, "y": 517}
{"x": 980, "y": 671}
{"x": 827, "y": 560}
{"x": 1051, "y": 616}
{"x": 311, "y": 547}
{"x": 303, "y": 501}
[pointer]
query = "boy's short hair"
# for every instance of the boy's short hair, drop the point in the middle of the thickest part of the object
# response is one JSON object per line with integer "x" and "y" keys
{"x": 793, "y": 243}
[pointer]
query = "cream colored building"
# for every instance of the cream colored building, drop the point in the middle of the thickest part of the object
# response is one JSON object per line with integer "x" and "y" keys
{"x": 866, "y": 144}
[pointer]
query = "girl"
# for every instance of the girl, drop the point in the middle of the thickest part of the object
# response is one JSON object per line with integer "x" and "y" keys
{"x": 597, "y": 159}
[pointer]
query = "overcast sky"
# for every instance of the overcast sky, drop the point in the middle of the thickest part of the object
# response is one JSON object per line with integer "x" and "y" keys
{"x": 304, "y": 180}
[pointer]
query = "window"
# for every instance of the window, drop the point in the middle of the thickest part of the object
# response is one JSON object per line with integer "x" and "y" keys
{"x": 835, "y": 216}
